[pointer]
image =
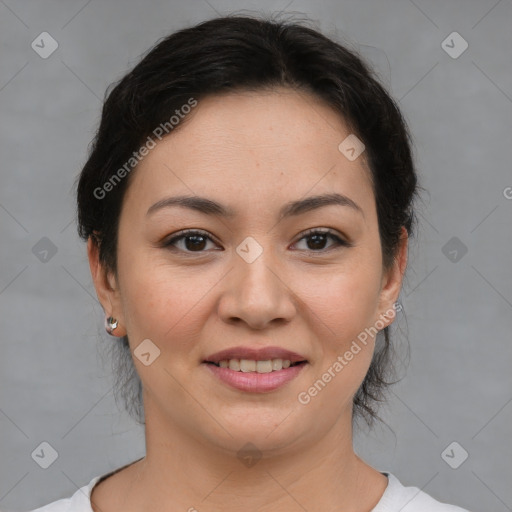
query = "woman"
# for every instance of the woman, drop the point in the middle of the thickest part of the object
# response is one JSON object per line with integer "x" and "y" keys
{"x": 247, "y": 206}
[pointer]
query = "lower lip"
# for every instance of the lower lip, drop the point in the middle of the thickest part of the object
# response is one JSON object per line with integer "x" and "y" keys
{"x": 253, "y": 381}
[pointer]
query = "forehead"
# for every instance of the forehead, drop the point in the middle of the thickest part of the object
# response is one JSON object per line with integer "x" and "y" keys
{"x": 270, "y": 119}
{"x": 254, "y": 145}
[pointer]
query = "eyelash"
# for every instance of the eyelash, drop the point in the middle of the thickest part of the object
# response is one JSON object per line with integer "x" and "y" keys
{"x": 315, "y": 231}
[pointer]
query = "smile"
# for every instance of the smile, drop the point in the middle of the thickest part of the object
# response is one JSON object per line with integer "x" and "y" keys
{"x": 251, "y": 365}
{"x": 255, "y": 376}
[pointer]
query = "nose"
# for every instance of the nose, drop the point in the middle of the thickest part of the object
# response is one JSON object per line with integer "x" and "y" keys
{"x": 257, "y": 293}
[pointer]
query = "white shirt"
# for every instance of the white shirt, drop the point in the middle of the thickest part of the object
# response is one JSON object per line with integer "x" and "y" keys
{"x": 396, "y": 498}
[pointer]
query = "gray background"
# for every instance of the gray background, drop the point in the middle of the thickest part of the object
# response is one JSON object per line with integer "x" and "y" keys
{"x": 56, "y": 383}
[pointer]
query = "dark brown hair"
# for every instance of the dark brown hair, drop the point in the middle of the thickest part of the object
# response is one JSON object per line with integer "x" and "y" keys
{"x": 248, "y": 53}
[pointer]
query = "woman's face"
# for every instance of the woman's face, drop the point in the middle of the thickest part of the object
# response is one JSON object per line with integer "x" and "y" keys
{"x": 252, "y": 278}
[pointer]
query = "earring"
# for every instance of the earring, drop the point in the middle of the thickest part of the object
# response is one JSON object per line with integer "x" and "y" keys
{"x": 110, "y": 325}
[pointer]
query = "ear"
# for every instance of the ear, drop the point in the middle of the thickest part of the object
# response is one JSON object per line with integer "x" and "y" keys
{"x": 106, "y": 287}
{"x": 392, "y": 280}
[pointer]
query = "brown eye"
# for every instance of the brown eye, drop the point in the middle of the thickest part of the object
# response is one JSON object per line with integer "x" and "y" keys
{"x": 193, "y": 241}
{"x": 317, "y": 240}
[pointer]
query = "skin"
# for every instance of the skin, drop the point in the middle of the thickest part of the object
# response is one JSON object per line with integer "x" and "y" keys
{"x": 253, "y": 152}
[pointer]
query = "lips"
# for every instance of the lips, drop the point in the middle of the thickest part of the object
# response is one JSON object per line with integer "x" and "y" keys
{"x": 262, "y": 354}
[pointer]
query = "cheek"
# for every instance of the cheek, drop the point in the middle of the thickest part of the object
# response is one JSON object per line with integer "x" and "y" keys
{"x": 342, "y": 310}
{"x": 342, "y": 322}
{"x": 342, "y": 303}
{"x": 164, "y": 303}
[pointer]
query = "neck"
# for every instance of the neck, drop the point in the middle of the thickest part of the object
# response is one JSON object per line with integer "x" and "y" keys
{"x": 181, "y": 472}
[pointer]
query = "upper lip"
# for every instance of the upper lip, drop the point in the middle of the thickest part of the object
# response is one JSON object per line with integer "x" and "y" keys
{"x": 256, "y": 354}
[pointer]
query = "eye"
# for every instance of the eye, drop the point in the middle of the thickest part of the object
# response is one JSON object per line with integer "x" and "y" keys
{"x": 193, "y": 241}
{"x": 318, "y": 237}
{"x": 196, "y": 241}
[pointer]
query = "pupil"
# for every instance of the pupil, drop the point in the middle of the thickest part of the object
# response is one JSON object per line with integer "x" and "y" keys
{"x": 316, "y": 237}
{"x": 195, "y": 244}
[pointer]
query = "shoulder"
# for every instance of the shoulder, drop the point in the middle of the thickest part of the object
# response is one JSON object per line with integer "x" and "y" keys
{"x": 410, "y": 499}
{"x": 79, "y": 502}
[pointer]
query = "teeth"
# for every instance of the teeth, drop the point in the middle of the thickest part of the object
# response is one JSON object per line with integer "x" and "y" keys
{"x": 246, "y": 365}
{"x": 234, "y": 364}
{"x": 264, "y": 366}
{"x": 277, "y": 364}
{"x": 249, "y": 365}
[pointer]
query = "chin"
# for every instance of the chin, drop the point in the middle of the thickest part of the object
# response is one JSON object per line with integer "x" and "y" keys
{"x": 266, "y": 428}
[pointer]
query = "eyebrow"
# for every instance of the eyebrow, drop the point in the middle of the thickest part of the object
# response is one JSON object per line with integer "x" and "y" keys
{"x": 293, "y": 208}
